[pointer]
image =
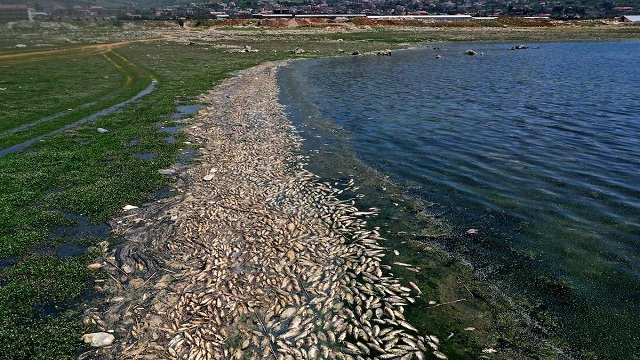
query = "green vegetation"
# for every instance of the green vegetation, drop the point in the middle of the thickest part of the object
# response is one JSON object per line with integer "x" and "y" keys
{"x": 34, "y": 322}
{"x": 63, "y": 80}
{"x": 83, "y": 172}
{"x": 75, "y": 89}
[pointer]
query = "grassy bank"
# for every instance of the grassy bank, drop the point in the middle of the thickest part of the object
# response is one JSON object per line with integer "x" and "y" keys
{"x": 55, "y": 194}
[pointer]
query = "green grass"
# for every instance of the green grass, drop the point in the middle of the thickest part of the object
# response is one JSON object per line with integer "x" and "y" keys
{"x": 34, "y": 322}
{"x": 65, "y": 92}
{"x": 65, "y": 83}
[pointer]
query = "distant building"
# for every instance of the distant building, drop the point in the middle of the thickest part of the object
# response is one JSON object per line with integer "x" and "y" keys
{"x": 422, "y": 17}
{"x": 10, "y": 13}
{"x": 631, "y": 18}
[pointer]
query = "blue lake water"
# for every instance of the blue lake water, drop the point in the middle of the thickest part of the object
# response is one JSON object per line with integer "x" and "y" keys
{"x": 538, "y": 149}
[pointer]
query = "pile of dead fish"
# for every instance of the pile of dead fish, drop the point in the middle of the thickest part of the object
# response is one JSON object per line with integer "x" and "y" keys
{"x": 259, "y": 259}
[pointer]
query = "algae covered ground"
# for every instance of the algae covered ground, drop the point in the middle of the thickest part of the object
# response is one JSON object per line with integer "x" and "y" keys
{"x": 57, "y": 195}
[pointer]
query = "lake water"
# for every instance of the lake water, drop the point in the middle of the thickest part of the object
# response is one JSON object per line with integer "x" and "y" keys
{"x": 537, "y": 149}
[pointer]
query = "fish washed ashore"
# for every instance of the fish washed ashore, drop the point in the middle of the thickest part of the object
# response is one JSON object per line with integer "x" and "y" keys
{"x": 255, "y": 258}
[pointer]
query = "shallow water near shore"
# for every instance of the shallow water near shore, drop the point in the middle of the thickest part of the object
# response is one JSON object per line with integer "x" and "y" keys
{"x": 537, "y": 149}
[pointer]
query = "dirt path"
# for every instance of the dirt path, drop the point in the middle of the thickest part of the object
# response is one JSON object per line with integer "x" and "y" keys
{"x": 89, "y": 49}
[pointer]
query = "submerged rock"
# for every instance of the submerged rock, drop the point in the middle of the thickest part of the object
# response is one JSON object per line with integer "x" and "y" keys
{"x": 98, "y": 339}
{"x": 470, "y": 52}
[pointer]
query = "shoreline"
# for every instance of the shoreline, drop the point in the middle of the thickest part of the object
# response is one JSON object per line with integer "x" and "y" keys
{"x": 471, "y": 312}
{"x": 258, "y": 259}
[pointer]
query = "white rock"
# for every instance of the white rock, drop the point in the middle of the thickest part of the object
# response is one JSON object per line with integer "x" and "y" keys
{"x": 208, "y": 177}
{"x": 102, "y": 130}
{"x": 473, "y": 231}
{"x": 129, "y": 207}
{"x": 98, "y": 339}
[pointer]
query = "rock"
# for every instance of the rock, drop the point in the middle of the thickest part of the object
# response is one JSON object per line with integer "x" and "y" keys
{"x": 208, "y": 177}
{"x": 102, "y": 130}
{"x": 21, "y": 46}
{"x": 129, "y": 207}
{"x": 298, "y": 51}
{"x": 519, "y": 47}
{"x": 384, "y": 53}
{"x": 127, "y": 269}
{"x": 340, "y": 50}
{"x": 432, "y": 302}
{"x": 438, "y": 56}
{"x": 98, "y": 339}
{"x": 470, "y": 52}
{"x": 472, "y": 231}
{"x": 94, "y": 266}
{"x": 356, "y": 53}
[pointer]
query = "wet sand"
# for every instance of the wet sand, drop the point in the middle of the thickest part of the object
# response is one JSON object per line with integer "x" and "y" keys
{"x": 255, "y": 258}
